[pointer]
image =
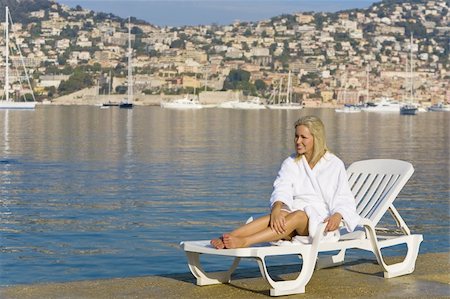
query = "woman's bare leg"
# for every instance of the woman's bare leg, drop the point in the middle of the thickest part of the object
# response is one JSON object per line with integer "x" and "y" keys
{"x": 296, "y": 223}
{"x": 246, "y": 230}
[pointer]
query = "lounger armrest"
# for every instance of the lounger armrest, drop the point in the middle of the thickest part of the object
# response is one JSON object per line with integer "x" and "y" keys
{"x": 367, "y": 222}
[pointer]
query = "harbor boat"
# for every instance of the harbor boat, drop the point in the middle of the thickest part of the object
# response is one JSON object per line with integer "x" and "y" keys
{"x": 348, "y": 109}
{"x": 285, "y": 106}
{"x": 183, "y": 103}
{"x": 8, "y": 102}
{"x": 409, "y": 108}
{"x": 384, "y": 104}
{"x": 5, "y": 104}
{"x": 228, "y": 104}
{"x": 279, "y": 103}
{"x": 439, "y": 107}
{"x": 189, "y": 101}
{"x": 127, "y": 103}
{"x": 252, "y": 104}
{"x": 110, "y": 104}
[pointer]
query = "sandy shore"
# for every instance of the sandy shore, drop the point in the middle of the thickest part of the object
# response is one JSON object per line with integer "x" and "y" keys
{"x": 355, "y": 279}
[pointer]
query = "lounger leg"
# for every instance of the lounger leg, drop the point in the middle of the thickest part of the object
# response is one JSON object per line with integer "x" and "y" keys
{"x": 295, "y": 286}
{"x": 402, "y": 268}
{"x": 409, "y": 263}
{"x": 331, "y": 260}
{"x": 204, "y": 278}
{"x": 289, "y": 287}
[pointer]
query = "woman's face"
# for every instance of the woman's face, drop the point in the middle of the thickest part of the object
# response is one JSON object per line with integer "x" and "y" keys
{"x": 304, "y": 141}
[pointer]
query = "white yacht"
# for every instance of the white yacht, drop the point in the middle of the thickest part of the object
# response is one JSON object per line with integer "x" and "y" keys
{"x": 9, "y": 103}
{"x": 285, "y": 106}
{"x": 385, "y": 104}
{"x": 183, "y": 103}
{"x": 228, "y": 104}
{"x": 254, "y": 103}
{"x": 348, "y": 109}
{"x": 439, "y": 107}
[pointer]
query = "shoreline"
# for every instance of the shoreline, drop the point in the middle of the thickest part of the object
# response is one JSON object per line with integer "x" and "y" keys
{"x": 157, "y": 104}
{"x": 90, "y": 97}
{"x": 355, "y": 279}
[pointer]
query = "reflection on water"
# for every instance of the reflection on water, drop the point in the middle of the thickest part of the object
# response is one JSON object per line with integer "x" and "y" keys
{"x": 94, "y": 193}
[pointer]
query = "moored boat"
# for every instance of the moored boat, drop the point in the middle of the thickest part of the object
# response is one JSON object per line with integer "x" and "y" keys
{"x": 283, "y": 100}
{"x": 8, "y": 102}
{"x": 254, "y": 103}
{"x": 348, "y": 109}
{"x": 439, "y": 107}
{"x": 127, "y": 103}
{"x": 17, "y": 105}
{"x": 385, "y": 104}
{"x": 183, "y": 103}
{"x": 408, "y": 110}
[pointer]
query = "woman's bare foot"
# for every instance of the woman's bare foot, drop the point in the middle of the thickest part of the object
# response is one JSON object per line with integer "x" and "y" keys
{"x": 218, "y": 243}
{"x": 233, "y": 242}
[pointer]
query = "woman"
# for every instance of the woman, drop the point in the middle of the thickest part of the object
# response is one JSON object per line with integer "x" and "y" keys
{"x": 311, "y": 187}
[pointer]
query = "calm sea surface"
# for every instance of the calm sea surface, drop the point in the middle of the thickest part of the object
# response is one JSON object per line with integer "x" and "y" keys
{"x": 88, "y": 193}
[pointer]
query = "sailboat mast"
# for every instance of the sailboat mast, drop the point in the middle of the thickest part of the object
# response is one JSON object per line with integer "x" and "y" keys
{"x": 279, "y": 90}
{"x": 130, "y": 75}
{"x": 288, "y": 98}
{"x": 345, "y": 89}
{"x": 195, "y": 84}
{"x": 411, "y": 68}
{"x": 407, "y": 85}
{"x": 109, "y": 83}
{"x": 367, "y": 86}
{"x": 7, "y": 54}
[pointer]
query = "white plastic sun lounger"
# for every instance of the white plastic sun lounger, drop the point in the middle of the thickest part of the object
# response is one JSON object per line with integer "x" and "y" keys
{"x": 375, "y": 184}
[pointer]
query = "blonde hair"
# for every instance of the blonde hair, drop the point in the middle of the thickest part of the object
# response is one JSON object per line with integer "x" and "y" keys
{"x": 317, "y": 130}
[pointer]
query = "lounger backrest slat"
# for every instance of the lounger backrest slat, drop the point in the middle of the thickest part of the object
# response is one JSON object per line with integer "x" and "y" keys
{"x": 376, "y": 183}
{"x": 357, "y": 182}
{"x": 364, "y": 193}
{"x": 377, "y": 196}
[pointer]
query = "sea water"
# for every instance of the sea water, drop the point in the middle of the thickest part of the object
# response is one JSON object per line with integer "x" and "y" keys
{"x": 89, "y": 193}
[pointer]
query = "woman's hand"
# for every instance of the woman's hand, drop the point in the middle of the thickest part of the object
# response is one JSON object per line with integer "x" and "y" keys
{"x": 333, "y": 222}
{"x": 277, "y": 220}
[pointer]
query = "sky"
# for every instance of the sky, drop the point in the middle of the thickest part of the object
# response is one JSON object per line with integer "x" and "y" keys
{"x": 206, "y": 12}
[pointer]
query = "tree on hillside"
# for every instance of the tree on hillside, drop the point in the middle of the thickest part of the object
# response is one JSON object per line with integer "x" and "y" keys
{"x": 178, "y": 43}
{"x": 239, "y": 80}
{"x": 80, "y": 79}
{"x": 260, "y": 85}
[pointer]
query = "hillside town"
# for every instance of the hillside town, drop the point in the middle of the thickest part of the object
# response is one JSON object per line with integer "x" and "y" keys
{"x": 339, "y": 58}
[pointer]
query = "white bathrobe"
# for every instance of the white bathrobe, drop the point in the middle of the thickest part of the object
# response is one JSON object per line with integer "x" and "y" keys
{"x": 320, "y": 192}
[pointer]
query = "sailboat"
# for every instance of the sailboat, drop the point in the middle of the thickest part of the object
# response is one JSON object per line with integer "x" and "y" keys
{"x": 128, "y": 102}
{"x": 9, "y": 103}
{"x": 287, "y": 103}
{"x": 109, "y": 103}
{"x": 410, "y": 108}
